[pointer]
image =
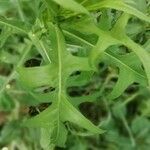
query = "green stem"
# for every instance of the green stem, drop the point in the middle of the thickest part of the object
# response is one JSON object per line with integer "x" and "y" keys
{"x": 129, "y": 131}
{"x": 13, "y": 73}
{"x": 40, "y": 46}
{"x": 20, "y": 11}
{"x": 83, "y": 2}
{"x": 130, "y": 99}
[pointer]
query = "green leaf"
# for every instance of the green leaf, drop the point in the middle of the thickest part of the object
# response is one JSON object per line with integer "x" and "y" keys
{"x": 72, "y": 115}
{"x": 79, "y": 80}
{"x": 8, "y": 58}
{"x": 119, "y": 110}
{"x": 145, "y": 107}
{"x": 116, "y": 36}
{"x": 30, "y": 76}
{"x": 140, "y": 5}
{"x": 5, "y": 6}
{"x": 16, "y": 25}
{"x": 5, "y": 33}
{"x": 6, "y": 103}
{"x": 55, "y": 74}
{"x": 10, "y": 132}
{"x": 140, "y": 124}
{"x": 72, "y": 5}
{"x": 128, "y": 64}
{"x": 40, "y": 46}
{"x": 119, "y": 5}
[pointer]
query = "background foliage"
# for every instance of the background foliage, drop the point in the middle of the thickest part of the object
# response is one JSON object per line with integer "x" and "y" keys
{"x": 75, "y": 74}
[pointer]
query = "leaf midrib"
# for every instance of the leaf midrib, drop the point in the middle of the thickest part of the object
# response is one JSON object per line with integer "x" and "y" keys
{"x": 125, "y": 65}
{"x": 59, "y": 79}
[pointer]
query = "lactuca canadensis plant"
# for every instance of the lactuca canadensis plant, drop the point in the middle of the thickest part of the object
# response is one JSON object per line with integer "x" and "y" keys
{"x": 51, "y": 47}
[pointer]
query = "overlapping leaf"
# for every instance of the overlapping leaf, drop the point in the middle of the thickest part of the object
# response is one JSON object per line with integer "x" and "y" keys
{"x": 116, "y": 36}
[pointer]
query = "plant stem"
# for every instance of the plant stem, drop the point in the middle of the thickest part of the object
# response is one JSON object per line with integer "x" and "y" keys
{"x": 20, "y": 11}
{"x": 13, "y": 73}
{"x": 129, "y": 131}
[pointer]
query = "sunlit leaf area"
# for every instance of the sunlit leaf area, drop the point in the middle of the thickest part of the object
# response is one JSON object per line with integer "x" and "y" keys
{"x": 74, "y": 74}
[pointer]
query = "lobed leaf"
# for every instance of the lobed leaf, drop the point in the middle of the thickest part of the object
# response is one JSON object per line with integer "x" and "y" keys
{"x": 56, "y": 74}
